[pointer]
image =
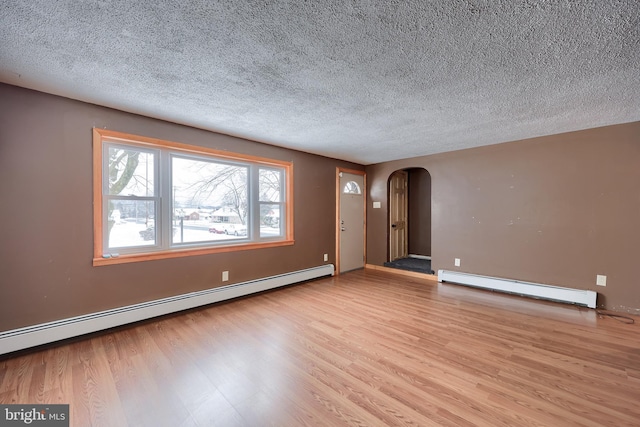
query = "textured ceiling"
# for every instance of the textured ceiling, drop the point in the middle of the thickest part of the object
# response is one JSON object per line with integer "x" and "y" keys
{"x": 366, "y": 81}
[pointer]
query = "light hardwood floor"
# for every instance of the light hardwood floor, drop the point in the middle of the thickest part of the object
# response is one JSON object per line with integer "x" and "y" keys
{"x": 368, "y": 348}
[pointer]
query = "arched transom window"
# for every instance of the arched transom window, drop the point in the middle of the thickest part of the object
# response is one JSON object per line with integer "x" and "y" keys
{"x": 352, "y": 187}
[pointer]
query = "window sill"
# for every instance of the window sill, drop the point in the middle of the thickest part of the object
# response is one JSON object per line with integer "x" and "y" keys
{"x": 179, "y": 253}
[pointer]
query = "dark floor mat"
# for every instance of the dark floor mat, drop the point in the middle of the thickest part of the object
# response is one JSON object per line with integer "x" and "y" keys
{"x": 412, "y": 264}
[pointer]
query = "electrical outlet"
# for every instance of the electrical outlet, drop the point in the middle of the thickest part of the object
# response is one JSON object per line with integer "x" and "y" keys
{"x": 601, "y": 280}
{"x": 456, "y": 262}
{"x": 225, "y": 276}
{"x": 326, "y": 257}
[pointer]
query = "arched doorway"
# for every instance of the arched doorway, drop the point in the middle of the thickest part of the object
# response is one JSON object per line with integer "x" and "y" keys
{"x": 409, "y": 220}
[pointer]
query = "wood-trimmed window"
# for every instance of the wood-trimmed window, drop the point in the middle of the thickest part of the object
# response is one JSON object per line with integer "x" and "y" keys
{"x": 157, "y": 199}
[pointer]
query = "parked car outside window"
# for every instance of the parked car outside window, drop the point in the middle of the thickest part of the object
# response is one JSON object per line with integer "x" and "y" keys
{"x": 216, "y": 229}
{"x": 235, "y": 229}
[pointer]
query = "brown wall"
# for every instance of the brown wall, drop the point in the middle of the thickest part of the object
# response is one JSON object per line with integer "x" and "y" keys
{"x": 419, "y": 215}
{"x": 557, "y": 210}
{"x": 46, "y": 228}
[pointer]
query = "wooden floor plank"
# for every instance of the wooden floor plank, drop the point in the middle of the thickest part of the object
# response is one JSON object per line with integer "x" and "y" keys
{"x": 362, "y": 349}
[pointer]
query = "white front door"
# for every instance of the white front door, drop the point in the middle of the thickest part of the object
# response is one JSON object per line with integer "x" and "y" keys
{"x": 351, "y": 210}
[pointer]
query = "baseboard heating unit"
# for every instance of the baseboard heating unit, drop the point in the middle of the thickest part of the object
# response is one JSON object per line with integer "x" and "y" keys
{"x": 536, "y": 290}
{"x": 31, "y": 336}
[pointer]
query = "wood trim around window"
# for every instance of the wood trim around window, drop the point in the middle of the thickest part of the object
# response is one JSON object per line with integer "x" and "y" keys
{"x": 103, "y": 135}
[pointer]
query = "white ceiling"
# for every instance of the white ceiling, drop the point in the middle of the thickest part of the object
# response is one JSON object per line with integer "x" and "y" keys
{"x": 366, "y": 81}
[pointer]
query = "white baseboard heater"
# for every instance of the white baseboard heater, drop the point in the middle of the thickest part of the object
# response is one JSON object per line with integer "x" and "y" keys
{"x": 31, "y": 336}
{"x": 536, "y": 290}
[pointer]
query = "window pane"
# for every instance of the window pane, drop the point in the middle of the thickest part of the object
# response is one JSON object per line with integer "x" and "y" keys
{"x": 270, "y": 220}
{"x": 131, "y": 172}
{"x": 270, "y": 185}
{"x": 210, "y": 200}
{"x": 131, "y": 223}
{"x": 351, "y": 187}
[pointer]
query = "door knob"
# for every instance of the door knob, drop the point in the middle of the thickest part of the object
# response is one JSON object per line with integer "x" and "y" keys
{"x": 393, "y": 225}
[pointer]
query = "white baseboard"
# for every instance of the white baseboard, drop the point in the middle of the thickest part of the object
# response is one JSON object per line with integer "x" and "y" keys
{"x": 31, "y": 336}
{"x": 420, "y": 256}
{"x": 537, "y": 290}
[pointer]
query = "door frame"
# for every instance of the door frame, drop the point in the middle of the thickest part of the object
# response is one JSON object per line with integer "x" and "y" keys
{"x": 339, "y": 170}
